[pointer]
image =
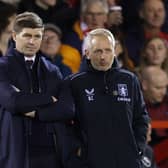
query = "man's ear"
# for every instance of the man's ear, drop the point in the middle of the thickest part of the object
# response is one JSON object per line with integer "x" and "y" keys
{"x": 87, "y": 54}
{"x": 14, "y": 35}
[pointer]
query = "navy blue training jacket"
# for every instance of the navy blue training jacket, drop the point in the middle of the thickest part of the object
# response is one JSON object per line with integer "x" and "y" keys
{"x": 112, "y": 116}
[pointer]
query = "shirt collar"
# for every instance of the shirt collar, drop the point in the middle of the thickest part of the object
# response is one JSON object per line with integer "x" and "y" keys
{"x": 30, "y": 58}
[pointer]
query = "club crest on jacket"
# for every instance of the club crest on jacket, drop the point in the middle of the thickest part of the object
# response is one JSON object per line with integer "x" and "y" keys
{"x": 122, "y": 90}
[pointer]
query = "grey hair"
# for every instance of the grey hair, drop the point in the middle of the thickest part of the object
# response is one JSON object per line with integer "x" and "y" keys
{"x": 87, "y": 3}
{"x": 98, "y": 32}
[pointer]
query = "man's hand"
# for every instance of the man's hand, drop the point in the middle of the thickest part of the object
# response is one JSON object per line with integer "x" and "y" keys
{"x": 30, "y": 114}
{"x": 54, "y": 99}
{"x": 115, "y": 18}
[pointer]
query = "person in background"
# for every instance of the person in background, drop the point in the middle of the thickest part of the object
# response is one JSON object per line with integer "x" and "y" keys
{"x": 154, "y": 52}
{"x": 93, "y": 15}
{"x": 115, "y": 16}
{"x": 121, "y": 52}
{"x": 32, "y": 97}
{"x": 148, "y": 158}
{"x": 8, "y": 14}
{"x": 50, "y": 47}
{"x": 58, "y": 12}
{"x": 109, "y": 105}
{"x": 13, "y": 2}
{"x": 154, "y": 82}
{"x": 152, "y": 17}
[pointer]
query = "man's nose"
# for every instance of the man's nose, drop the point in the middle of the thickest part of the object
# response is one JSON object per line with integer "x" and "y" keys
{"x": 102, "y": 55}
{"x": 31, "y": 40}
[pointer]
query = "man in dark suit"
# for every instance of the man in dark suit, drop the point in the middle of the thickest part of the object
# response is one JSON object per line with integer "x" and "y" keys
{"x": 32, "y": 97}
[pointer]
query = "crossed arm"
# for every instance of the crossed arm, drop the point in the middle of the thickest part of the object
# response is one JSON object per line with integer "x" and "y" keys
{"x": 47, "y": 106}
{"x": 32, "y": 113}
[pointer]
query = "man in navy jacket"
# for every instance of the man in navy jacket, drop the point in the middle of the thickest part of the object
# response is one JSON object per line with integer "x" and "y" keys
{"x": 109, "y": 107}
{"x": 32, "y": 95}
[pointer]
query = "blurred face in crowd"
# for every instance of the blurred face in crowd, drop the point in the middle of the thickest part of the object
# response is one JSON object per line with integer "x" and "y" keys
{"x": 156, "y": 52}
{"x": 6, "y": 34}
{"x": 155, "y": 87}
{"x": 95, "y": 16}
{"x": 28, "y": 41}
{"x": 153, "y": 13}
{"x": 50, "y": 44}
{"x": 101, "y": 53}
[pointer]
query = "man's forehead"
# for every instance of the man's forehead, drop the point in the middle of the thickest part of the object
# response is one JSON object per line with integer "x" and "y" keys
{"x": 101, "y": 39}
{"x": 159, "y": 80}
{"x": 32, "y": 30}
{"x": 153, "y": 3}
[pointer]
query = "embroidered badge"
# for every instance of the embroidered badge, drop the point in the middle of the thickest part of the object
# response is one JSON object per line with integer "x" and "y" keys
{"x": 90, "y": 94}
{"x": 122, "y": 90}
{"x": 123, "y": 93}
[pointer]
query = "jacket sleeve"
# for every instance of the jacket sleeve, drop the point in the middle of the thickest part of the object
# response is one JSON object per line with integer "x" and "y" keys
{"x": 140, "y": 116}
{"x": 62, "y": 109}
{"x": 16, "y": 101}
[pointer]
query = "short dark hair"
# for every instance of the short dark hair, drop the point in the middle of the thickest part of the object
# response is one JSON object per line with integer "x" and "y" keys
{"x": 53, "y": 28}
{"x": 27, "y": 20}
{"x": 7, "y": 10}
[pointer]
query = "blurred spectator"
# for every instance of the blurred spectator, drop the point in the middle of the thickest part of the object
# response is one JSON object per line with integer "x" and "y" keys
{"x": 121, "y": 52}
{"x": 148, "y": 159}
{"x": 152, "y": 14}
{"x": 58, "y": 12}
{"x": 93, "y": 15}
{"x": 154, "y": 52}
{"x": 131, "y": 18}
{"x": 50, "y": 47}
{"x": 154, "y": 84}
{"x": 13, "y": 2}
{"x": 115, "y": 17}
{"x": 8, "y": 13}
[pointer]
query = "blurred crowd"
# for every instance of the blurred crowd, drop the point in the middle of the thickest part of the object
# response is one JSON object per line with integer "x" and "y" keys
{"x": 140, "y": 28}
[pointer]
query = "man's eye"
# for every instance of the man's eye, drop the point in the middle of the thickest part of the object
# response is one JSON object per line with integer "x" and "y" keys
{"x": 108, "y": 50}
{"x": 38, "y": 36}
{"x": 98, "y": 51}
{"x": 27, "y": 35}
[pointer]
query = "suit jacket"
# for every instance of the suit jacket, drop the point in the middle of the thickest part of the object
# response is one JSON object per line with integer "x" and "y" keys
{"x": 16, "y": 99}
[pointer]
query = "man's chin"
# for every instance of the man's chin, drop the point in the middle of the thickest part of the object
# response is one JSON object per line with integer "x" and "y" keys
{"x": 159, "y": 100}
{"x": 30, "y": 54}
{"x": 103, "y": 68}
